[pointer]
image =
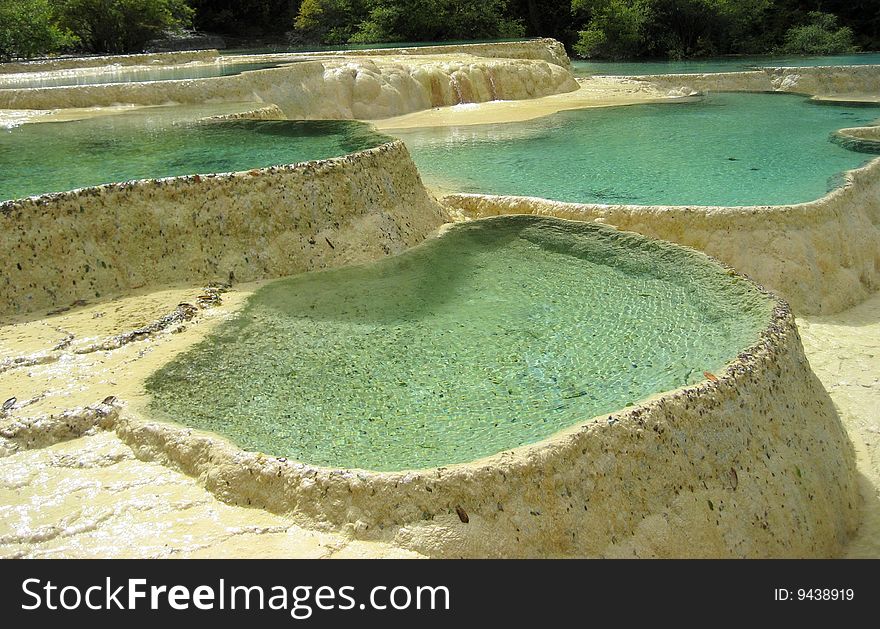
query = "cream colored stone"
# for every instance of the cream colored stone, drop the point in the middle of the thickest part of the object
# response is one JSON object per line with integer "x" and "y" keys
{"x": 863, "y": 139}
{"x": 844, "y": 352}
{"x": 92, "y": 498}
{"x": 10, "y": 118}
{"x": 592, "y": 92}
{"x": 270, "y": 112}
{"x": 340, "y": 88}
{"x": 67, "y": 63}
{"x": 847, "y": 82}
{"x": 841, "y": 348}
{"x": 544, "y": 49}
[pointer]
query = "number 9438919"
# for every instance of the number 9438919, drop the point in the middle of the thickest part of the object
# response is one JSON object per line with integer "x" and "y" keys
{"x": 825, "y": 594}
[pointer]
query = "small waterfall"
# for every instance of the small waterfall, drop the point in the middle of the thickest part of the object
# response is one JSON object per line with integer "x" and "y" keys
{"x": 456, "y": 86}
{"x": 493, "y": 90}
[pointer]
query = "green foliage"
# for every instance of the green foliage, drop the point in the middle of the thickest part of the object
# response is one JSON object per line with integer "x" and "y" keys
{"x": 616, "y": 29}
{"x": 120, "y": 26}
{"x": 591, "y": 28}
{"x": 822, "y": 36}
{"x": 335, "y": 21}
{"x": 372, "y": 30}
{"x": 328, "y": 21}
{"x": 742, "y": 26}
{"x": 694, "y": 28}
{"x": 28, "y": 28}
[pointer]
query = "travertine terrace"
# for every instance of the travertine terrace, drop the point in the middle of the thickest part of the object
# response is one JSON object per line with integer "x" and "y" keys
{"x": 751, "y": 462}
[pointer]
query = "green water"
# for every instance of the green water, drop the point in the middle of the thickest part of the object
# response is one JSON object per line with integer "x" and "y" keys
{"x": 727, "y": 149}
{"x": 52, "y": 157}
{"x": 726, "y": 64}
{"x": 499, "y": 334}
{"x": 123, "y": 74}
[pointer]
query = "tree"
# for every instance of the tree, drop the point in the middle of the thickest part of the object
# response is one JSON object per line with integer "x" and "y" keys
{"x": 742, "y": 26}
{"x": 120, "y": 26}
{"x": 862, "y": 16}
{"x": 821, "y": 36}
{"x": 328, "y": 21}
{"x": 616, "y": 29}
{"x": 671, "y": 28}
{"x": 29, "y": 28}
{"x": 367, "y": 21}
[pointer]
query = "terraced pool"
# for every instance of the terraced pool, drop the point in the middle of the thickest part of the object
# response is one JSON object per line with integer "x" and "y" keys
{"x": 126, "y": 74}
{"x": 582, "y": 67}
{"x": 726, "y": 149}
{"x": 497, "y": 334}
{"x": 162, "y": 142}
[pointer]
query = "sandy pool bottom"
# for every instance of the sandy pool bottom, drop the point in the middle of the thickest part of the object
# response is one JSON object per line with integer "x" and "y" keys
{"x": 91, "y": 497}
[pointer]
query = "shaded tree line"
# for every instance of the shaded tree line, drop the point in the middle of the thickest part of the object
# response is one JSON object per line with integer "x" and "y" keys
{"x": 698, "y": 28}
{"x": 30, "y": 28}
{"x": 589, "y": 28}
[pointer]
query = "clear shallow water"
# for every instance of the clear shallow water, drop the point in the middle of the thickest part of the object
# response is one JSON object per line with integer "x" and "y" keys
{"x": 123, "y": 74}
{"x": 161, "y": 142}
{"x": 729, "y": 64}
{"x": 497, "y": 335}
{"x": 728, "y": 149}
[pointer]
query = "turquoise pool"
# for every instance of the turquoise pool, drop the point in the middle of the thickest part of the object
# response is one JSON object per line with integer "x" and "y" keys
{"x": 498, "y": 334}
{"x": 162, "y": 142}
{"x": 726, "y": 149}
{"x": 728, "y": 64}
{"x": 126, "y": 74}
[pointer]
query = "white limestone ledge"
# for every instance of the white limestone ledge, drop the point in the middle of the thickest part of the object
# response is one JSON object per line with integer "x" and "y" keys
{"x": 544, "y": 49}
{"x": 856, "y": 82}
{"x": 67, "y": 63}
{"x": 859, "y": 139}
{"x": 822, "y": 256}
{"x": 338, "y": 88}
{"x": 269, "y": 222}
{"x": 270, "y": 112}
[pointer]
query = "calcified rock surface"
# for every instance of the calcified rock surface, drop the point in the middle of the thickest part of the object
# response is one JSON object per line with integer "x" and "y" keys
{"x": 339, "y": 87}
{"x": 270, "y": 112}
{"x": 92, "y": 497}
{"x": 844, "y": 352}
{"x": 591, "y": 92}
{"x": 856, "y": 82}
{"x": 861, "y": 139}
{"x": 544, "y": 49}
